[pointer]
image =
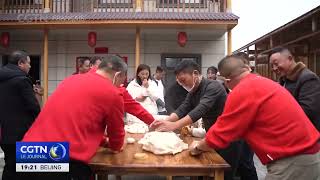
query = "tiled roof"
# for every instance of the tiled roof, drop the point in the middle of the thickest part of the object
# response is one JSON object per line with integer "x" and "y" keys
{"x": 118, "y": 16}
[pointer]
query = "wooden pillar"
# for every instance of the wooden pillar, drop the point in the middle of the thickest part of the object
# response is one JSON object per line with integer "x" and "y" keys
{"x": 219, "y": 174}
{"x": 314, "y": 24}
{"x": 229, "y": 51}
{"x": 46, "y": 6}
{"x": 137, "y": 62}
{"x": 271, "y": 42}
{"x": 248, "y": 51}
{"x": 229, "y": 9}
{"x": 229, "y": 43}
{"x": 139, "y": 5}
{"x": 45, "y": 65}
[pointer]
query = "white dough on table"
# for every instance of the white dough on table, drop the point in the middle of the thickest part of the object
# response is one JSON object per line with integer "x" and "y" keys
{"x": 198, "y": 132}
{"x": 130, "y": 140}
{"x": 163, "y": 143}
{"x": 137, "y": 128}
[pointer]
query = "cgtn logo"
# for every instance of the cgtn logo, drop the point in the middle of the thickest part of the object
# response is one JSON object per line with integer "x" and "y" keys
{"x": 42, "y": 156}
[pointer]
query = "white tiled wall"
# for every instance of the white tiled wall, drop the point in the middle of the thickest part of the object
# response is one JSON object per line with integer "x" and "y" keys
{"x": 65, "y": 47}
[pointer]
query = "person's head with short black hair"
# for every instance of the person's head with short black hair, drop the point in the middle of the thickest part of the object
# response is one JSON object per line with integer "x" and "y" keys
{"x": 20, "y": 59}
{"x": 188, "y": 74}
{"x": 95, "y": 61}
{"x": 232, "y": 69}
{"x": 281, "y": 61}
{"x": 83, "y": 64}
{"x": 212, "y": 72}
{"x": 115, "y": 68}
{"x": 143, "y": 72}
{"x": 159, "y": 73}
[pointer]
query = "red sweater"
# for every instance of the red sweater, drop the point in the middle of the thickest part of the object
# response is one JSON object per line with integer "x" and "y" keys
{"x": 78, "y": 112}
{"x": 268, "y": 118}
{"x": 132, "y": 106}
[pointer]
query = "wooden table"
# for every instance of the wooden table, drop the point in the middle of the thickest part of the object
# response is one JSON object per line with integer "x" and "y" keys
{"x": 208, "y": 164}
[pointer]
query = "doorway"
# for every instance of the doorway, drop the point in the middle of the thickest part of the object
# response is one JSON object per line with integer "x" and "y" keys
{"x": 170, "y": 61}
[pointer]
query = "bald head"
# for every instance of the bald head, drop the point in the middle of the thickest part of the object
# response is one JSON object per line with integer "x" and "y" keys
{"x": 281, "y": 50}
{"x": 232, "y": 65}
{"x": 113, "y": 63}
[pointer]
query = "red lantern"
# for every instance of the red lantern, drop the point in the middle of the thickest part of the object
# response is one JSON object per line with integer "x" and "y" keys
{"x": 92, "y": 39}
{"x": 182, "y": 38}
{"x": 5, "y": 39}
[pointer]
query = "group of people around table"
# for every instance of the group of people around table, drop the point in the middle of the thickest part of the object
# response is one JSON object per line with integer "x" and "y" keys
{"x": 279, "y": 122}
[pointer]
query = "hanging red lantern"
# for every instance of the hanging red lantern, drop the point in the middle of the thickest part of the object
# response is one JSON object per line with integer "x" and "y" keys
{"x": 5, "y": 39}
{"x": 182, "y": 38}
{"x": 92, "y": 39}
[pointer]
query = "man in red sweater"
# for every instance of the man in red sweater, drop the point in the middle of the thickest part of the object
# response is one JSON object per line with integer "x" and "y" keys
{"x": 264, "y": 114}
{"x": 78, "y": 112}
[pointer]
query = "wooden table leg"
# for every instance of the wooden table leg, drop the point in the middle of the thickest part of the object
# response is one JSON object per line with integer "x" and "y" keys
{"x": 118, "y": 177}
{"x": 218, "y": 174}
{"x": 102, "y": 177}
{"x": 169, "y": 177}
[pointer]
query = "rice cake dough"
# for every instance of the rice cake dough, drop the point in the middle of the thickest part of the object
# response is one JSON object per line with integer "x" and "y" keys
{"x": 163, "y": 143}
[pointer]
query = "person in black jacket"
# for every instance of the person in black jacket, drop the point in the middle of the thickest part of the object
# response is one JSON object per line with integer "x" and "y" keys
{"x": 205, "y": 100}
{"x": 18, "y": 107}
{"x": 302, "y": 83}
{"x": 174, "y": 97}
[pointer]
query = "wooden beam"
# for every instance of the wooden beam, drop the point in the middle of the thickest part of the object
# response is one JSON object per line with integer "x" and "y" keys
{"x": 281, "y": 29}
{"x": 138, "y": 36}
{"x": 229, "y": 51}
{"x": 215, "y": 23}
{"x": 294, "y": 41}
{"x": 47, "y": 6}
{"x": 45, "y": 64}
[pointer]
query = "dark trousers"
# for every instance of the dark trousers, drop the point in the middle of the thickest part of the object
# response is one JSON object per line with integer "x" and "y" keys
{"x": 246, "y": 168}
{"x": 77, "y": 170}
{"x": 231, "y": 155}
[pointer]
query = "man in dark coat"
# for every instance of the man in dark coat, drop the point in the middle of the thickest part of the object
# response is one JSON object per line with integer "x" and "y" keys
{"x": 302, "y": 83}
{"x": 18, "y": 107}
{"x": 205, "y": 99}
{"x": 174, "y": 97}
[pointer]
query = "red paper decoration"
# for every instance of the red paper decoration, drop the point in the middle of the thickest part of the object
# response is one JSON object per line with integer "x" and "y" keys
{"x": 92, "y": 39}
{"x": 182, "y": 38}
{"x": 5, "y": 39}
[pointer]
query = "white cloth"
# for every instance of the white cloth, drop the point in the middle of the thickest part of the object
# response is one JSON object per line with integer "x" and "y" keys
{"x": 163, "y": 143}
{"x": 160, "y": 93}
{"x": 135, "y": 90}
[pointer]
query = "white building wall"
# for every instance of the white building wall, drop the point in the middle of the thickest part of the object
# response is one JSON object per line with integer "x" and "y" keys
{"x": 66, "y": 45}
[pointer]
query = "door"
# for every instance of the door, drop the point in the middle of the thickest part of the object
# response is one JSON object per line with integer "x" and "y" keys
{"x": 170, "y": 61}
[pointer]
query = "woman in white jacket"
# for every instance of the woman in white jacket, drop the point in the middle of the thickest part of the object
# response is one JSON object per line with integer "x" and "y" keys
{"x": 143, "y": 90}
